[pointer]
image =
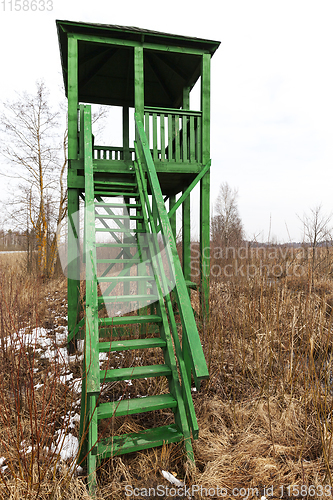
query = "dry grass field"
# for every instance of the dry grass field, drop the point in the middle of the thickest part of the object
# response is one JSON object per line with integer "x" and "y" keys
{"x": 264, "y": 415}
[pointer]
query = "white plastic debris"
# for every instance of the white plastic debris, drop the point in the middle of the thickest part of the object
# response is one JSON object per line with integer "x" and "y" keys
{"x": 171, "y": 478}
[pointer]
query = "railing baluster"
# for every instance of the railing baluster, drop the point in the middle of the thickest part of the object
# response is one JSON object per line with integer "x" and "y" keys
{"x": 184, "y": 128}
{"x": 170, "y": 138}
{"x": 177, "y": 139}
{"x": 162, "y": 137}
{"x": 155, "y": 152}
{"x": 192, "y": 140}
{"x": 198, "y": 140}
{"x": 147, "y": 118}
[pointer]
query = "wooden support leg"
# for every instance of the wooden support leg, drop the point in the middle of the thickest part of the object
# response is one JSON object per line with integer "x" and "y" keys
{"x": 73, "y": 293}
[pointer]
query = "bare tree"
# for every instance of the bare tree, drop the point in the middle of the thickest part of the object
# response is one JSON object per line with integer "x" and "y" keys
{"x": 317, "y": 234}
{"x": 35, "y": 152}
{"x": 34, "y": 145}
{"x": 226, "y": 225}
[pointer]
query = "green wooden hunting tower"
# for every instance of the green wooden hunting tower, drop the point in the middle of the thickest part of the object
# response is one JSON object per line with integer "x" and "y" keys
{"x": 128, "y": 195}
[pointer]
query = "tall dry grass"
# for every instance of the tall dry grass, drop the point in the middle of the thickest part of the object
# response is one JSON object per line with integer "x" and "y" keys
{"x": 265, "y": 413}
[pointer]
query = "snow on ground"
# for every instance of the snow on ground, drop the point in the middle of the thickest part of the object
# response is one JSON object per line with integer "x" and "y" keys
{"x": 49, "y": 344}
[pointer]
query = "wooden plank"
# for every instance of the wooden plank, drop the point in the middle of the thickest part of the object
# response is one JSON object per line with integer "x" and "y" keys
{"x": 192, "y": 140}
{"x": 127, "y": 156}
{"x": 172, "y": 111}
{"x": 185, "y": 146}
{"x": 137, "y": 405}
{"x": 189, "y": 189}
{"x": 138, "y": 81}
{"x": 73, "y": 285}
{"x": 155, "y": 152}
{"x": 172, "y": 202}
{"x": 199, "y": 140}
{"x": 186, "y": 237}
{"x": 205, "y": 107}
{"x": 92, "y": 338}
{"x": 129, "y": 443}
{"x": 199, "y": 366}
{"x": 205, "y": 188}
{"x": 170, "y": 137}
{"x": 135, "y": 44}
{"x": 177, "y": 139}
{"x": 134, "y": 373}
{"x": 163, "y": 155}
{"x": 72, "y": 97}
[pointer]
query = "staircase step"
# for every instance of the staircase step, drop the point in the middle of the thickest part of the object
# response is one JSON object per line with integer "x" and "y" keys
{"x": 129, "y": 320}
{"x": 110, "y": 279}
{"x": 119, "y": 245}
{"x": 134, "y": 372}
{"x": 128, "y": 443}
{"x": 117, "y": 205}
{"x": 118, "y": 261}
{"x": 128, "y": 298}
{"x": 127, "y": 345}
{"x": 118, "y": 230}
{"x": 112, "y": 183}
{"x": 137, "y": 405}
{"x": 99, "y": 192}
{"x": 116, "y": 217}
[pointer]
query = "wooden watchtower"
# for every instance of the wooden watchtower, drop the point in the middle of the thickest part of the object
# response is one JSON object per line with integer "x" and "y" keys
{"x": 149, "y": 75}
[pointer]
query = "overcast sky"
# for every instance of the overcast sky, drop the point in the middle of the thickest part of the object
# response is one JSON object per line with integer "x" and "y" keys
{"x": 272, "y": 91}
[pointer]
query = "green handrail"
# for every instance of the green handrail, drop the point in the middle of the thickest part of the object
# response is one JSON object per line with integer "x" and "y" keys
{"x": 191, "y": 345}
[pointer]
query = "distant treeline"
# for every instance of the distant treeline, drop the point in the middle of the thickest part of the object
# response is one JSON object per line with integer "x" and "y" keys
{"x": 15, "y": 240}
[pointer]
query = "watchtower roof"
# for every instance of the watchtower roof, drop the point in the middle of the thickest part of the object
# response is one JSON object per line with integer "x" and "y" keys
{"x": 106, "y": 63}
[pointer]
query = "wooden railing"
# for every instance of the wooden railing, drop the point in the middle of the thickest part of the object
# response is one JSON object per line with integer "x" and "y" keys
{"x": 111, "y": 153}
{"x": 174, "y": 134}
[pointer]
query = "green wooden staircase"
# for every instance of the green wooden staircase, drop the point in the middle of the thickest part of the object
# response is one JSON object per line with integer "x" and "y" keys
{"x": 132, "y": 265}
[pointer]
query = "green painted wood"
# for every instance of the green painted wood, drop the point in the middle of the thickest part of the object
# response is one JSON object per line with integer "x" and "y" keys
{"x": 135, "y": 44}
{"x": 177, "y": 138}
{"x": 155, "y": 149}
{"x": 134, "y": 373}
{"x": 192, "y": 139}
{"x": 132, "y": 344}
{"x": 189, "y": 189}
{"x": 139, "y": 81}
{"x": 117, "y": 230}
{"x": 142, "y": 299}
{"x": 117, "y": 205}
{"x": 117, "y": 245}
{"x": 120, "y": 217}
{"x": 173, "y": 221}
{"x": 172, "y": 111}
{"x": 170, "y": 137}
{"x": 73, "y": 285}
{"x": 72, "y": 97}
{"x": 199, "y": 366}
{"x": 116, "y": 194}
{"x": 107, "y": 279}
{"x": 92, "y": 337}
{"x": 137, "y": 405}
{"x": 129, "y": 443}
{"x": 118, "y": 261}
{"x": 130, "y": 320}
{"x": 92, "y": 442}
{"x": 186, "y": 237}
{"x": 184, "y": 399}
